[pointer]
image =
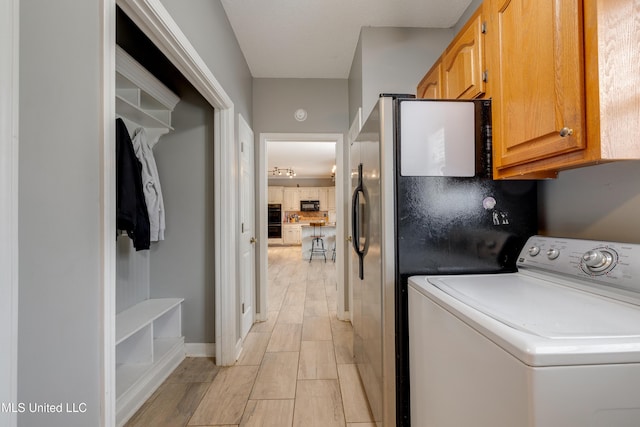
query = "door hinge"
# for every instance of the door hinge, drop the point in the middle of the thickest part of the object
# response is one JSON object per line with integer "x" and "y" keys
{"x": 243, "y": 227}
{"x": 483, "y": 27}
{"x": 485, "y": 75}
{"x": 242, "y": 147}
{"x": 242, "y": 308}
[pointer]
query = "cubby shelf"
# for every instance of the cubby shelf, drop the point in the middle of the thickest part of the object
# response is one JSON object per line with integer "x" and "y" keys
{"x": 149, "y": 346}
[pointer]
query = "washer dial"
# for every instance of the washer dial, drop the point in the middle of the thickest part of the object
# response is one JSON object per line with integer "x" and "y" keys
{"x": 599, "y": 261}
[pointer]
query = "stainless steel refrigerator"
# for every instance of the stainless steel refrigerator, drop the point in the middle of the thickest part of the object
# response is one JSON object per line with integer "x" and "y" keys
{"x": 423, "y": 202}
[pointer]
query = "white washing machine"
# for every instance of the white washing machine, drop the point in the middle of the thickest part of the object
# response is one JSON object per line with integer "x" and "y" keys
{"x": 556, "y": 344}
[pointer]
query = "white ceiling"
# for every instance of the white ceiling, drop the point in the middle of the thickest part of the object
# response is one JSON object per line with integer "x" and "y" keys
{"x": 317, "y": 38}
{"x": 309, "y": 159}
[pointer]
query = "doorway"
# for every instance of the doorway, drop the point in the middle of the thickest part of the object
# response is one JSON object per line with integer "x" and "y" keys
{"x": 262, "y": 182}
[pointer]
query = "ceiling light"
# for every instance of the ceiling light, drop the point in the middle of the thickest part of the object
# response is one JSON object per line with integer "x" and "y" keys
{"x": 276, "y": 171}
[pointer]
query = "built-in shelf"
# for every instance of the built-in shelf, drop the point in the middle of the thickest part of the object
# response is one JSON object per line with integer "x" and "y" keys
{"x": 140, "y": 315}
{"x": 149, "y": 346}
{"x": 140, "y": 96}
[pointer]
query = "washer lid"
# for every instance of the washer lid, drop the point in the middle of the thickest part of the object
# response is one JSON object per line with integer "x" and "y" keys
{"x": 543, "y": 308}
{"x": 538, "y": 321}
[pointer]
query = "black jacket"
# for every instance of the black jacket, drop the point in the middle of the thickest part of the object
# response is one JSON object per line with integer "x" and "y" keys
{"x": 131, "y": 209}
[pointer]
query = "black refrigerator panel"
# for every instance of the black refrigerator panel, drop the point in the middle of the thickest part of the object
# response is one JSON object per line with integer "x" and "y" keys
{"x": 462, "y": 225}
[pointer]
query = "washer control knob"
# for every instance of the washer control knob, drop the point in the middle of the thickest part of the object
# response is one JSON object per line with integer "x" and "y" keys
{"x": 597, "y": 260}
{"x": 534, "y": 250}
{"x": 553, "y": 253}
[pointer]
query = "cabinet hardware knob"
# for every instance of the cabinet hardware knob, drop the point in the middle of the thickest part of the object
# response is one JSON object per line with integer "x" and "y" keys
{"x": 566, "y": 132}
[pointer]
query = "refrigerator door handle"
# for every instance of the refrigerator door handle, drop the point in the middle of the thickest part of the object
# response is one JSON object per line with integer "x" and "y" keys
{"x": 355, "y": 226}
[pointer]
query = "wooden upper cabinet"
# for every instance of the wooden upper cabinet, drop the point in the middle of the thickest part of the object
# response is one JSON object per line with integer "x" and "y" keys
{"x": 463, "y": 63}
{"x": 612, "y": 46}
{"x": 536, "y": 68}
{"x": 430, "y": 87}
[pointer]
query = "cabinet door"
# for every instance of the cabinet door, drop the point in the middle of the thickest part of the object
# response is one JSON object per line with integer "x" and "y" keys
{"x": 430, "y": 87}
{"x": 308, "y": 193}
{"x": 297, "y": 233}
{"x": 275, "y": 195}
{"x": 537, "y": 85}
{"x": 463, "y": 63}
{"x": 322, "y": 198}
{"x": 291, "y": 201}
{"x": 331, "y": 198}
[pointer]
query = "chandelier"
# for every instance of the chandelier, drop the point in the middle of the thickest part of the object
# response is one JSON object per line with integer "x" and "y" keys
{"x": 276, "y": 171}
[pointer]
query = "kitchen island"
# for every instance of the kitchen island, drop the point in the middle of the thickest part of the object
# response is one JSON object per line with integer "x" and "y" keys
{"x": 328, "y": 231}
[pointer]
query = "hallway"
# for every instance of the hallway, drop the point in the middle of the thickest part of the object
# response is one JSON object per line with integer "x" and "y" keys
{"x": 296, "y": 368}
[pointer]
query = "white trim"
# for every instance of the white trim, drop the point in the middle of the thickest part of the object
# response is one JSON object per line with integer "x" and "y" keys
{"x": 156, "y": 23}
{"x": 200, "y": 349}
{"x": 261, "y": 170}
{"x": 107, "y": 219}
{"x": 9, "y": 87}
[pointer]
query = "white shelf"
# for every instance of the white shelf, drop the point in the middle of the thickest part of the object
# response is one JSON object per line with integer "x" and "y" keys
{"x": 140, "y": 315}
{"x": 149, "y": 346}
{"x": 135, "y": 383}
{"x": 134, "y": 113}
{"x": 128, "y": 374}
{"x": 140, "y": 96}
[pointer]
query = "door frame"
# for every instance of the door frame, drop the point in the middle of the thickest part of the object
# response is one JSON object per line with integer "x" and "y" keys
{"x": 157, "y": 24}
{"x": 9, "y": 111}
{"x": 341, "y": 252}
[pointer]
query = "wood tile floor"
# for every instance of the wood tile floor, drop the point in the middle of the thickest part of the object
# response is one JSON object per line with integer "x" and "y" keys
{"x": 296, "y": 369}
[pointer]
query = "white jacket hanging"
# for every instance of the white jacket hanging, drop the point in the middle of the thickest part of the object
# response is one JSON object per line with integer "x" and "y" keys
{"x": 150, "y": 184}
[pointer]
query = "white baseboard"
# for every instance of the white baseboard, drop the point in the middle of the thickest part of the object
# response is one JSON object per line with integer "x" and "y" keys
{"x": 200, "y": 349}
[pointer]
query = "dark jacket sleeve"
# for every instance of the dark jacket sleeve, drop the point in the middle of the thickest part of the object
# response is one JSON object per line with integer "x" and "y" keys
{"x": 131, "y": 208}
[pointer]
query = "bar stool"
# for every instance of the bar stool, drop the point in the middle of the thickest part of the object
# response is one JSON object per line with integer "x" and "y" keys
{"x": 317, "y": 242}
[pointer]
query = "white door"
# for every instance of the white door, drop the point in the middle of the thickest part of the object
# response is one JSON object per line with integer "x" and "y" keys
{"x": 247, "y": 274}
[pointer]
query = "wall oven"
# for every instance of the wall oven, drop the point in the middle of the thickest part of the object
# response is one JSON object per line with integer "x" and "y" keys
{"x": 274, "y": 221}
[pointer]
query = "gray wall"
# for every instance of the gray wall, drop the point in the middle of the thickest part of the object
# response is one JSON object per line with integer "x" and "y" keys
{"x": 355, "y": 82}
{"x": 595, "y": 202}
{"x": 59, "y": 210}
{"x": 392, "y": 60}
{"x": 205, "y": 24}
{"x": 182, "y": 264}
{"x": 473, "y": 6}
{"x": 275, "y": 101}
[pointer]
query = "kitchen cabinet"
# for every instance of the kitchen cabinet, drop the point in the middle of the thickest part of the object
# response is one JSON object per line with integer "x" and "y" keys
{"x": 291, "y": 199}
{"x": 571, "y": 109}
{"x": 292, "y": 234}
{"x": 308, "y": 193}
{"x": 463, "y": 65}
{"x": 536, "y": 67}
{"x": 612, "y": 55}
{"x": 430, "y": 87}
{"x": 275, "y": 194}
{"x": 331, "y": 198}
{"x": 322, "y": 198}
